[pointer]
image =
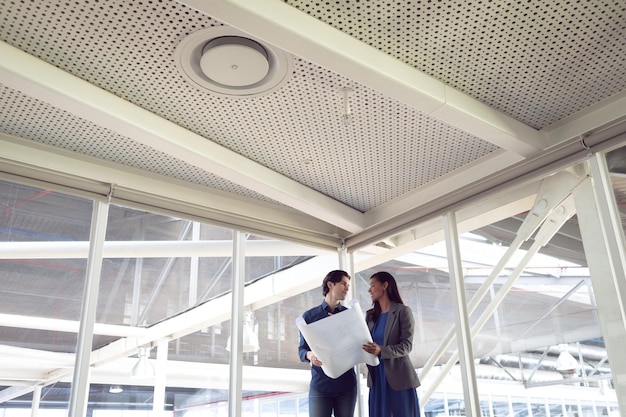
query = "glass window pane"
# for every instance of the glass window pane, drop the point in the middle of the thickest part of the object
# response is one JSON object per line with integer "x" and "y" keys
{"x": 44, "y": 239}
{"x": 538, "y": 407}
{"x": 500, "y": 406}
{"x": 269, "y": 409}
{"x": 159, "y": 266}
{"x": 520, "y": 409}
{"x": 287, "y": 408}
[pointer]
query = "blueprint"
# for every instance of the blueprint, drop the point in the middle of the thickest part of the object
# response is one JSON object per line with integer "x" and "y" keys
{"x": 337, "y": 340}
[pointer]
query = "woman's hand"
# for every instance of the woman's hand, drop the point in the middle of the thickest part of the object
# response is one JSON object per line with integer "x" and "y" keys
{"x": 372, "y": 348}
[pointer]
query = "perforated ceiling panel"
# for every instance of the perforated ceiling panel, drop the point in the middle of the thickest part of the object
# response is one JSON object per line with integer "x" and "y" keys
{"x": 58, "y": 128}
{"x": 537, "y": 61}
{"x": 127, "y": 48}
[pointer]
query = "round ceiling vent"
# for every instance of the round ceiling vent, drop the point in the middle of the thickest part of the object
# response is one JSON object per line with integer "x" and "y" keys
{"x": 229, "y": 63}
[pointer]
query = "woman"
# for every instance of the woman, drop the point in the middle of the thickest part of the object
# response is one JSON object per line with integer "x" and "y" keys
{"x": 392, "y": 383}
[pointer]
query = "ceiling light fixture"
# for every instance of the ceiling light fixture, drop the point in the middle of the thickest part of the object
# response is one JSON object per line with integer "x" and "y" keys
{"x": 347, "y": 114}
{"x": 143, "y": 368}
{"x": 250, "y": 334}
{"x": 115, "y": 389}
{"x": 566, "y": 364}
{"x": 230, "y": 63}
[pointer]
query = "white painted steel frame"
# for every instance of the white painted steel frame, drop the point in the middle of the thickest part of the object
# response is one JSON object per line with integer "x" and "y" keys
{"x": 236, "y": 324}
{"x": 349, "y": 256}
{"x": 79, "y": 395}
{"x": 160, "y": 377}
{"x": 36, "y": 401}
{"x": 554, "y": 194}
{"x": 462, "y": 324}
{"x": 605, "y": 249}
{"x": 206, "y": 315}
{"x": 194, "y": 267}
{"x": 551, "y": 221}
{"x": 551, "y": 192}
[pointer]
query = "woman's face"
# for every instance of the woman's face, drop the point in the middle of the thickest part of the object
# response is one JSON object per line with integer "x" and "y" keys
{"x": 377, "y": 289}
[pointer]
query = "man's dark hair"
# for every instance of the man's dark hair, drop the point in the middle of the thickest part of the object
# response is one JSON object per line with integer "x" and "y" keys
{"x": 333, "y": 276}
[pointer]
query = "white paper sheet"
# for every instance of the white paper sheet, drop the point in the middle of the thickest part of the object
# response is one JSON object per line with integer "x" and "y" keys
{"x": 336, "y": 340}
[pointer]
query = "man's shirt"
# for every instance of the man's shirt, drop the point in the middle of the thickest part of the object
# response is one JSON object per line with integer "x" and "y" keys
{"x": 319, "y": 380}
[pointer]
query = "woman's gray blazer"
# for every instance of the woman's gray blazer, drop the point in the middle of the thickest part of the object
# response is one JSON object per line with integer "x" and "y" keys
{"x": 394, "y": 353}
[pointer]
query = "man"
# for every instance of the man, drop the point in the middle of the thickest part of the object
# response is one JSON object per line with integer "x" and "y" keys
{"x": 328, "y": 395}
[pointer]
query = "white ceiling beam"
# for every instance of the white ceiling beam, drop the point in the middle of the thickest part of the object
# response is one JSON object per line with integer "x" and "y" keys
{"x": 45, "y": 82}
{"x": 21, "y": 154}
{"x": 69, "y": 326}
{"x": 153, "y": 249}
{"x": 464, "y": 176}
{"x": 286, "y": 27}
{"x": 34, "y": 358}
{"x": 9, "y": 393}
{"x": 601, "y": 114}
{"x": 469, "y": 218}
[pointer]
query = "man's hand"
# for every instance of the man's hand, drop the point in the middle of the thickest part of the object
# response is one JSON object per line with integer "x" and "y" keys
{"x": 314, "y": 360}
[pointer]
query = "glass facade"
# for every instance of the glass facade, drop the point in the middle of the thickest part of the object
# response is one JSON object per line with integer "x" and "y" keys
{"x": 166, "y": 287}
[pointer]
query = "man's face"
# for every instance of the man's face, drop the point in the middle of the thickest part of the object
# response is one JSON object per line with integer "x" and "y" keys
{"x": 340, "y": 289}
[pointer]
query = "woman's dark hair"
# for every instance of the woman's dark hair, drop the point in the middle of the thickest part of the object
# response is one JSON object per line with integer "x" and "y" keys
{"x": 392, "y": 293}
{"x": 333, "y": 276}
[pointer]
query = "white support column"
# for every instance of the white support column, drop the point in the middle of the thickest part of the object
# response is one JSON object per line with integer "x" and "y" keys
{"x": 34, "y": 408}
{"x": 160, "y": 377}
{"x": 605, "y": 250}
{"x": 463, "y": 332}
{"x": 349, "y": 268}
{"x": 193, "y": 267}
{"x": 80, "y": 382}
{"x": 135, "y": 313}
{"x": 236, "y": 325}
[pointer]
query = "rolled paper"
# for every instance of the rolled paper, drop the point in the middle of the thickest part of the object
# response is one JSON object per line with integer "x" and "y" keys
{"x": 337, "y": 340}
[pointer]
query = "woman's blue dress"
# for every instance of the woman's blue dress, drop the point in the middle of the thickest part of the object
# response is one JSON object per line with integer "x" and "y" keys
{"x": 383, "y": 400}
